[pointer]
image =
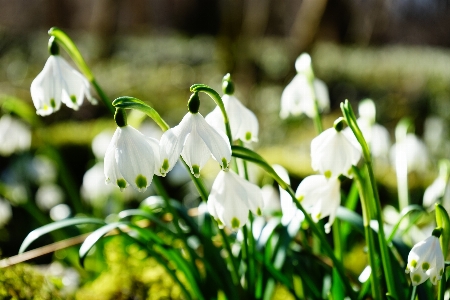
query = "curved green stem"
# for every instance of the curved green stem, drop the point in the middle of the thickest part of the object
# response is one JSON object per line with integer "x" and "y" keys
{"x": 63, "y": 39}
{"x": 385, "y": 258}
{"x": 127, "y": 102}
{"x": 218, "y": 100}
{"x": 249, "y": 155}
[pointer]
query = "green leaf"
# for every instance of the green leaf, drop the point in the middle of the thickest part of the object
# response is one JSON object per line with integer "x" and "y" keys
{"x": 443, "y": 221}
{"x": 37, "y": 233}
{"x": 94, "y": 237}
{"x": 127, "y": 102}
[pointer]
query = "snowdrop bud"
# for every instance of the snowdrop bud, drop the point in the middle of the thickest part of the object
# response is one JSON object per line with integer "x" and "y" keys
{"x": 332, "y": 154}
{"x": 414, "y": 150}
{"x": 131, "y": 159}
{"x": 425, "y": 260}
{"x": 196, "y": 141}
{"x": 48, "y": 196}
{"x": 231, "y": 199}
{"x": 321, "y": 197}
{"x": 367, "y": 110}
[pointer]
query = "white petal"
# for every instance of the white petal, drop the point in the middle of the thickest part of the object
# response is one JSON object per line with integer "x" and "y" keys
{"x": 322, "y": 96}
{"x": 310, "y": 189}
{"x": 154, "y": 144}
{"x": 135, "y": 158}
{"x": 216, "y": 141}
{"x": 254, "y": 197}
{"x": 227, "y": 194}
{"x": 111, "y": 169}
{"x": 215, "y": 119}
{"x": 171, "y": 144}
{"x": 195, "y": 153}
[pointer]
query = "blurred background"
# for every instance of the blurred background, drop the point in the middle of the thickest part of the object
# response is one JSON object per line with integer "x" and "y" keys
{"x": 394, "y": 52}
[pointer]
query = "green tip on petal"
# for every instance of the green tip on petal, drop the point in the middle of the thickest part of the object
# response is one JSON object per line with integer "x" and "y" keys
{"x": 164, "y": 167}
{"x": 318, "y": 216}
{"x": 413, "y": 263}
{"x": 300, "y": 198}
{"x": 52, "y": 103}
{"x": 224, "y": 164}
{"x": 441, "y": 272}
{"x": 248, "y": 136}
{"x": 141, "y": 182}
{"x": 258, "y": 211}
{"x": 73, "y": 98}
{"x": 425, "y": 266}
{"x": 196, "y": 171}
{"x": 121, "y": 183}
{"x": 327, "y": 174}
{"x": 416, "y": 278}
{"x": 235, "y": 223}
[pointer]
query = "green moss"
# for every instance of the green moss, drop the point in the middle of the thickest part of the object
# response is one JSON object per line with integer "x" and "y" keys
{"x": 24, "y": 282}
{"x": 131, "y": 274}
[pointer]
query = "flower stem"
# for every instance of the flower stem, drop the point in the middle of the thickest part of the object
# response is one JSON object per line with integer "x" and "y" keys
{"x": 386, "y": 260}
{"x": 375, "y": 282}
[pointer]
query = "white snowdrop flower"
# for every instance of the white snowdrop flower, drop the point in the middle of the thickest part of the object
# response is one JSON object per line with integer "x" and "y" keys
{"x": 15, "y": 136}
{"x": 195, "y": 140}
{"x": 425, "y": 260}
{"x": 271, "y": 199}
{"x": 434, "y": 192}
{"x": 100, "y": 143}
{"x": 321, "y": 197}
{"x": 231, "y": 199}
{"x": 243, "y": 122}
{"x": 5, "y": 212}
{"x": 367, "y": 110}
{"x": 376, "y": 136}
{"x": 58, "y": 82}
{"x": 60, "y": 212}
{"x": 298, "y": 97}
{"x": 414, "y": 150}
{"x": 333, "y": 154}
{"x": 93, "y": 188}
{"x": 43, "y": 169}
{"x": 131, "y": 159}
{"x": 48, "y": 196}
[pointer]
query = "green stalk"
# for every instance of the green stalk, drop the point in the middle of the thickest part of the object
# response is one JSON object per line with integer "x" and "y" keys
{"x": 375, "y": 281}
{"x": 64, "y": 40}
{"x": 385, "y": 258}
{"x": 251, "y": 156}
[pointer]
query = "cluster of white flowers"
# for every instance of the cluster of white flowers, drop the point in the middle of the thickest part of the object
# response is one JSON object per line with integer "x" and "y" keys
{"x": 333, "y": 155}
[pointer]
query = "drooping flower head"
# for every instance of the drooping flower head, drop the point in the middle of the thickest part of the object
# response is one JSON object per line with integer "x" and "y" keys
{"x": 195, "y": 140}
{"x": 231, "y": 199}
{"x": 321, "y": 197}
{"x": 58, "y": 82}
{"x": 243, "y": 122}
{"x": 131, "y": 158}
{"x": 425, "y": 260}
{"x": 332, "y": 153}
{"x": 300, "y": 94}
